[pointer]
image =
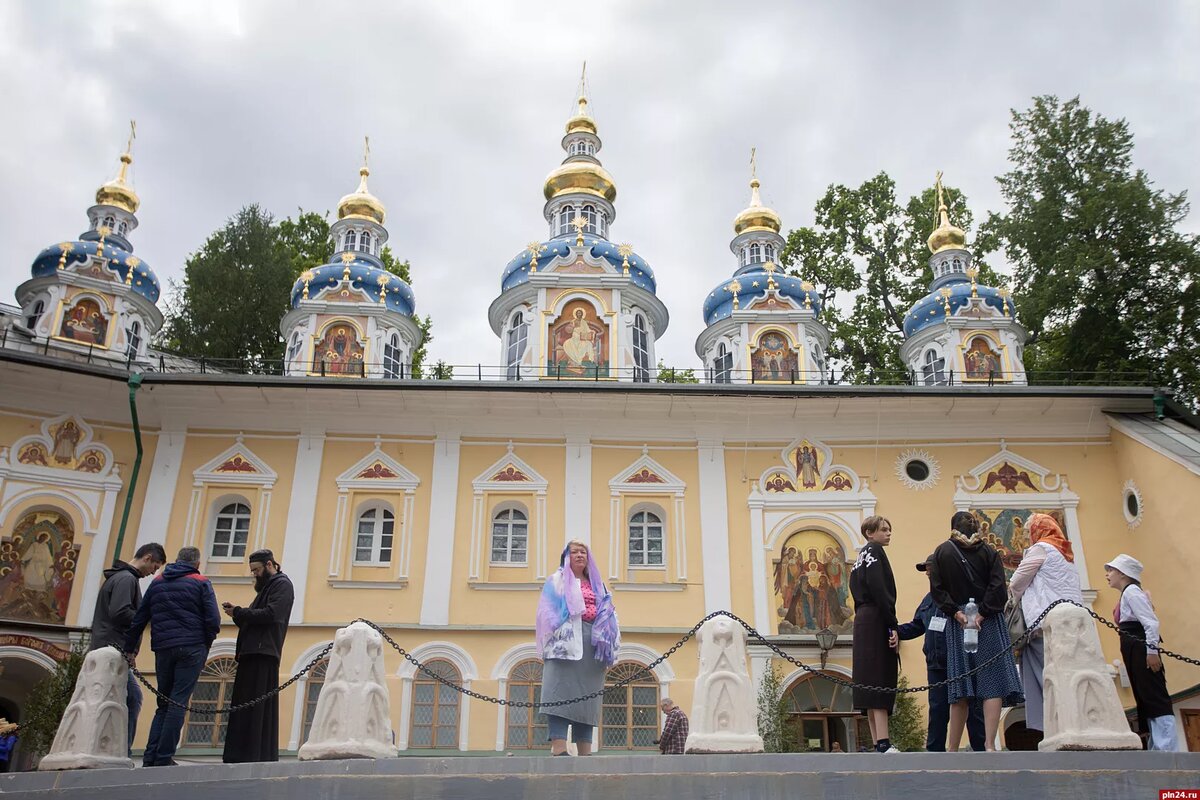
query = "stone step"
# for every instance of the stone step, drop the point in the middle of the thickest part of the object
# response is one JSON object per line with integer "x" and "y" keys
{"x": 861, "y": 776}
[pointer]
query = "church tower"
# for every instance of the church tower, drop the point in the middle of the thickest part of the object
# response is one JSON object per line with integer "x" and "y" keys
{"x": 351, "y": 318}
{"x": 762, "y": 326}
{"x": 93, "y": 297}
{"x": 962, "y": 331}
{"x": 578, "y": 306}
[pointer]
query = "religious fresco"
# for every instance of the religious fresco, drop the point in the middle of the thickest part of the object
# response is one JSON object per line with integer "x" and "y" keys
{"x": 85, "y": 322}
{"x": 37, "y": 568}
{"x": 812, "y": 585}
{"x": 338, "y": 352}
{"x": 578, "y": 342}
{"x": 980, "y": 360}
{"x": 1007, "y": 530}
{"x": 63, "y": 445}
{"x": 806, "y": 460}
{"x": 1007, "y": 478}
{"x": 773, "y": 359}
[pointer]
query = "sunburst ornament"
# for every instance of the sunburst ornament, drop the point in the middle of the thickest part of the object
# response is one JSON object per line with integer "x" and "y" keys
{"x": 733, "y": 287}
{"x": 579, "y": 223}
{"x": 307, "y": 277}
{"x": 1131, "y": 504}
{"x": 382, "y": 280}
{"x": 625, "y": 251}
{"x": 917, "y": 469}
{"x": 534, "y": 249}
{"x": 65, "y": 247}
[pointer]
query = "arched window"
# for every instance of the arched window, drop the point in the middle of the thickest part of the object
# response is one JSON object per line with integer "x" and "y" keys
{"x": 518, "y": 338}
{"x": 312, "y": 691}
{"x": 823, "y": 712}
{"x": 111, "y": 224}
{"x": 364, "y": 241}
{"x": 641, "y": 350}
{"x": 602, "y": 216}
{"x": 769, "y": 251}
{"x": 723, "y": 365}
{"x": 565, "y": 215}
{"x": 526, "y": 727}
{"x": 510, "y": 536}
{"x": 629, "y": 713}
{"x": 351, "y": 240}
{"x": 933, "y": 370}
{"x": 392, "y": 365}
{"x": 35, "y": 314}
{"x": 373, "y": 544}
{"x": 755, "y": 253}
{"x": 231, "y": 532}
{"x": 645, "y": 540}
{"x": 213, "y": 690}
{"x": 589, "y": 216}
{"x": 819, "y": 358}
{"x": 294, "y": 347}
{"x": 133, "y": 335}
{"x": 435, "y": 707}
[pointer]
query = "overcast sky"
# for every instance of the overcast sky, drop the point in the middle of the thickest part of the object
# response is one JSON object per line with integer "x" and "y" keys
{"x": 267, "y": 102}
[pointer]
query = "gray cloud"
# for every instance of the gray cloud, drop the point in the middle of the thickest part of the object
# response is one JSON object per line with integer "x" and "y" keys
{"x": 464, "y": 102}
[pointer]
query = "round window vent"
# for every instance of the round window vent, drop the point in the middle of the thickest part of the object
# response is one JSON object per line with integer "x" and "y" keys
{"x": 1131, "y": 504}
{"x": 917, "y": 469}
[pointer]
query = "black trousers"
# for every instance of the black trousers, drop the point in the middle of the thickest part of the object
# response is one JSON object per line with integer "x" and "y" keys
{"x": 253, "y": 733}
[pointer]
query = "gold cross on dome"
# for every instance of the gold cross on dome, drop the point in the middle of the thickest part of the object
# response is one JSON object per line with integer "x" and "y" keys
{"x": 132, "y": 135}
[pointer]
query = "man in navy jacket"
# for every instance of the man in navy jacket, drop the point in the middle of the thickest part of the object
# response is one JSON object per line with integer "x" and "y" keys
{"x": 181, "y": 607}
{"x": 930, "y": 621}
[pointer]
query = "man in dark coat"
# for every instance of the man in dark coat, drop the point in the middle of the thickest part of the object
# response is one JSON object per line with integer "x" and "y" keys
{"x": 120, "y": 596}
{"x": 253, "y": 733}
{"x": 181, "y": 608}
{"x": 930, "y": 622}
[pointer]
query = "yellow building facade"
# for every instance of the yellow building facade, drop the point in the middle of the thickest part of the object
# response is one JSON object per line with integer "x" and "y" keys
{"x": 437, "y": 509}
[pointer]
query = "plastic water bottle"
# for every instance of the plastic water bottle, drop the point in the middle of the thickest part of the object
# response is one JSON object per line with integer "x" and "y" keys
{"x": 971, "y": 629}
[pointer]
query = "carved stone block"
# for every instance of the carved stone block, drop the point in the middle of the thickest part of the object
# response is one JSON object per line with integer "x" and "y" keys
{"x": 94, "y": 731}
{"x": 724, "y": 710}
{"x": 1082, "y": 710}
{"x": 351, "y": 719}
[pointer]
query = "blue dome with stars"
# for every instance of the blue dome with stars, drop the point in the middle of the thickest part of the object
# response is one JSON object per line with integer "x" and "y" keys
{"x": 118, "y": 262}
{"x": 517, "y": 271}
{"x": 719, "y": 303}
{"x": 364, "y": 277}
{"x": 931, "y": 308}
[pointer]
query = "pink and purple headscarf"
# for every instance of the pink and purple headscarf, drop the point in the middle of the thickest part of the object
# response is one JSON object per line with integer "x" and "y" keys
{"x": 555, "y": 607}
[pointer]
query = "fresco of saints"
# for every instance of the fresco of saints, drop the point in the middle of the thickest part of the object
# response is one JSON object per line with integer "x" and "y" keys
{"x": 787, "y": 575}
{"x": 981, "y": 361}
{"x": 829, "y": 612}
{"x": 580, "y": 345}
{"x": 37, "y": 565}
{"x": 835, "y": 569}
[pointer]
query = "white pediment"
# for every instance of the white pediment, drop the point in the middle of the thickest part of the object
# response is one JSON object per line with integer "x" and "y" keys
{"x": 1022, "y": 474}
{"x": 646, "y": 476}
{"x": 510, "y": 473}
{"x": 237, "y": 465}
{"x": 378, "y": 470}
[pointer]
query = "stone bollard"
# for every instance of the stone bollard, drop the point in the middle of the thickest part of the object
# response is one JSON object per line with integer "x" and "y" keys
{"x": 94, "y": 731}
{"x": 1082, "y": 710}
{"x": 351, "y": 719}
{"x": 724, "y": 710}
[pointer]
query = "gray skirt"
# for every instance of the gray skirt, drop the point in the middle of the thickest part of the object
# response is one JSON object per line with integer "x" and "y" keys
{"x": 564, "y": 680}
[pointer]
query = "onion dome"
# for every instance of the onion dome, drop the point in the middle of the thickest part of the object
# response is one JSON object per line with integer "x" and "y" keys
{"x": 517, "y": 270}
{"x": 750, "y": 287}
{"x": 756, "y": 216}
{"x": 582, "y": 121}
{"x": 118, "y": 192}
{"x": 946, "y": 236}
{"x": 354, "y": 280}
{"x": 581, "y": 174}
{"x": 361, "y": 203}
{"x": 935, "y": 306}
{"x": 122, "y": 265}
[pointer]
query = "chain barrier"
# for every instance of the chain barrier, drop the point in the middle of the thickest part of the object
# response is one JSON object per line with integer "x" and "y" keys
{"x": 1031, "y": 630}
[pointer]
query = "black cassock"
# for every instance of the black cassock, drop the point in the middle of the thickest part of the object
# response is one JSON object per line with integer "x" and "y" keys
{"x": 253, "y": 733}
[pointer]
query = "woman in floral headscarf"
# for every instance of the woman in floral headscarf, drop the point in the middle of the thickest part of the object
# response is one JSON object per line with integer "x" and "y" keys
{"x": 578, "y": 637}
{"x": 1047, "y": 573}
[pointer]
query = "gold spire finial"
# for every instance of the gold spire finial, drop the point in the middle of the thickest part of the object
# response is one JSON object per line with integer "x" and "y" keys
{"x": 346, "y": 259}
{"x": 625, "y": 251}
{"x": 733, "y": 287}
{"x": 946, "y": 292}
{"x": 770, "y": 268}
{"x": 104, "y": 231}
{"x": 535, "y": 249}
{"x": 366, "y": 153}
{"x": 307, "y": 277}
{"x": 65, "y": 247}
{"x": 382, "y": 280}
{"x": 941, "y": 199}
{"x": 755, "y": 199}
{"x": 945, "y": 236}
{"x": 972, "y": 273}
{"x": 118, "y": 192}
{"x": 579, "y": 223}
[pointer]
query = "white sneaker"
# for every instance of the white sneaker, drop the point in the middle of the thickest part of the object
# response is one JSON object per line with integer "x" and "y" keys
{"x": 892, "y": 749}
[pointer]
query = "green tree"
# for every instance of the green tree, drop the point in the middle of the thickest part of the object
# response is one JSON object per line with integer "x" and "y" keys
{"x": 906, "y": 728}
{"x": 233, "y": 294}
{"x": 48, "y": 700}
{"x": 1105, "y": 280}
{"x": 867, "y": 257}
{"x": 673, "y": 375}
{"x": 775, "y": 724}
{"x": 307, "y": 241}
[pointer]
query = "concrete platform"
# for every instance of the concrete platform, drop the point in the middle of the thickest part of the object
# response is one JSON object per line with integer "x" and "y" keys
{"x": 862, "y": 776}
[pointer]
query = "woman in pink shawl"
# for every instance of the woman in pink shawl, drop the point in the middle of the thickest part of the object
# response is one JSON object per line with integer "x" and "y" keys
{"x": 578, "y": 637}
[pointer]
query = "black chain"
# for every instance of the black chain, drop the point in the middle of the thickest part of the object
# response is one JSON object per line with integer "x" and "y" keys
{"x": 646, "y": 669}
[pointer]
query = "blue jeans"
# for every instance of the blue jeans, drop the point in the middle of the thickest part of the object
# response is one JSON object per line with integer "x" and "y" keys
{"x": 177, "y": 670}
{"x": 939, "y": 716}
{"x": 558, "y": 729}
{"x": 133, "y": 701}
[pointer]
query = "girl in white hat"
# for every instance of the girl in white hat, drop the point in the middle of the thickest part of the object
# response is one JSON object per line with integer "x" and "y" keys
{"x": 1135, "y": 616}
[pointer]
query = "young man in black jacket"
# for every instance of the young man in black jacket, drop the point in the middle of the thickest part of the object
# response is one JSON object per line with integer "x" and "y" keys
{"x": 253, "y": 733}
{"x": 120, "y": 596}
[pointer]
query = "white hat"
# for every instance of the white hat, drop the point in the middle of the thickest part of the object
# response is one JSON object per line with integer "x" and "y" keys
{"x": 1127, "y": 565}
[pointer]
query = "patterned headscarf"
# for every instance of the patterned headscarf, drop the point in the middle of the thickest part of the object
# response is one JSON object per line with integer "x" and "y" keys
{"x": 561, "y": 599}
{"x": 1043, "y": 528}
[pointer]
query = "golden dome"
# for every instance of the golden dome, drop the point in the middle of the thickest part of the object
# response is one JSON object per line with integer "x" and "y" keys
{"x": 361, "y": 203}
{"x": 117, "y": 192}
{"x": 581, "y": 122}
{"x": 581, "y": 177}
{"x": 946, "y": 236}
{"x": 757, "y": 216}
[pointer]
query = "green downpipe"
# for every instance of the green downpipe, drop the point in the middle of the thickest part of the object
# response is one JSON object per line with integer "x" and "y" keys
{"x": 135, "y": 383}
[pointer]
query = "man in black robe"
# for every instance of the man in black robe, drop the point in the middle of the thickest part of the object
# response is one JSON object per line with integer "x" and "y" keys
{"x": 253, "y": 733}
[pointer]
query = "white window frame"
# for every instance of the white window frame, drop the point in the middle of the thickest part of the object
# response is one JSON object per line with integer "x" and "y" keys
{"x": 723, "y": 364}
{"x": 350, "y": 241}
{"x": 931, "y": 373}
{"x": 365, "y": 242}
{"x": 755, "y": 253}
{"x": 641, "y": 528}
{"x": 510, "y": 522}
{"x": 641, "y": 350}
{"x": 219, "y": 512}
{"x": 515, "y": 344}
{"x": 133, "y": 338}
{"x": 565, "y": 215}
{"x": 35, "y": 314}
{"x": 293, "y": 354}
{"x": 393, "y": 364}
{"x": 382, "y": 517}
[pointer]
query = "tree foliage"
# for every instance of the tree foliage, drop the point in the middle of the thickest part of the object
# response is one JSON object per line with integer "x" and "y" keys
{"x": 675, "y": 375}
{"x": 237, "y": 287}
{"x": 48, "y": 701}
{"x": 775, "y": 724}
{"x": 906, "y": 728}
{"x": 867, "y": 256}
{"x": 1105, "y": 280}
